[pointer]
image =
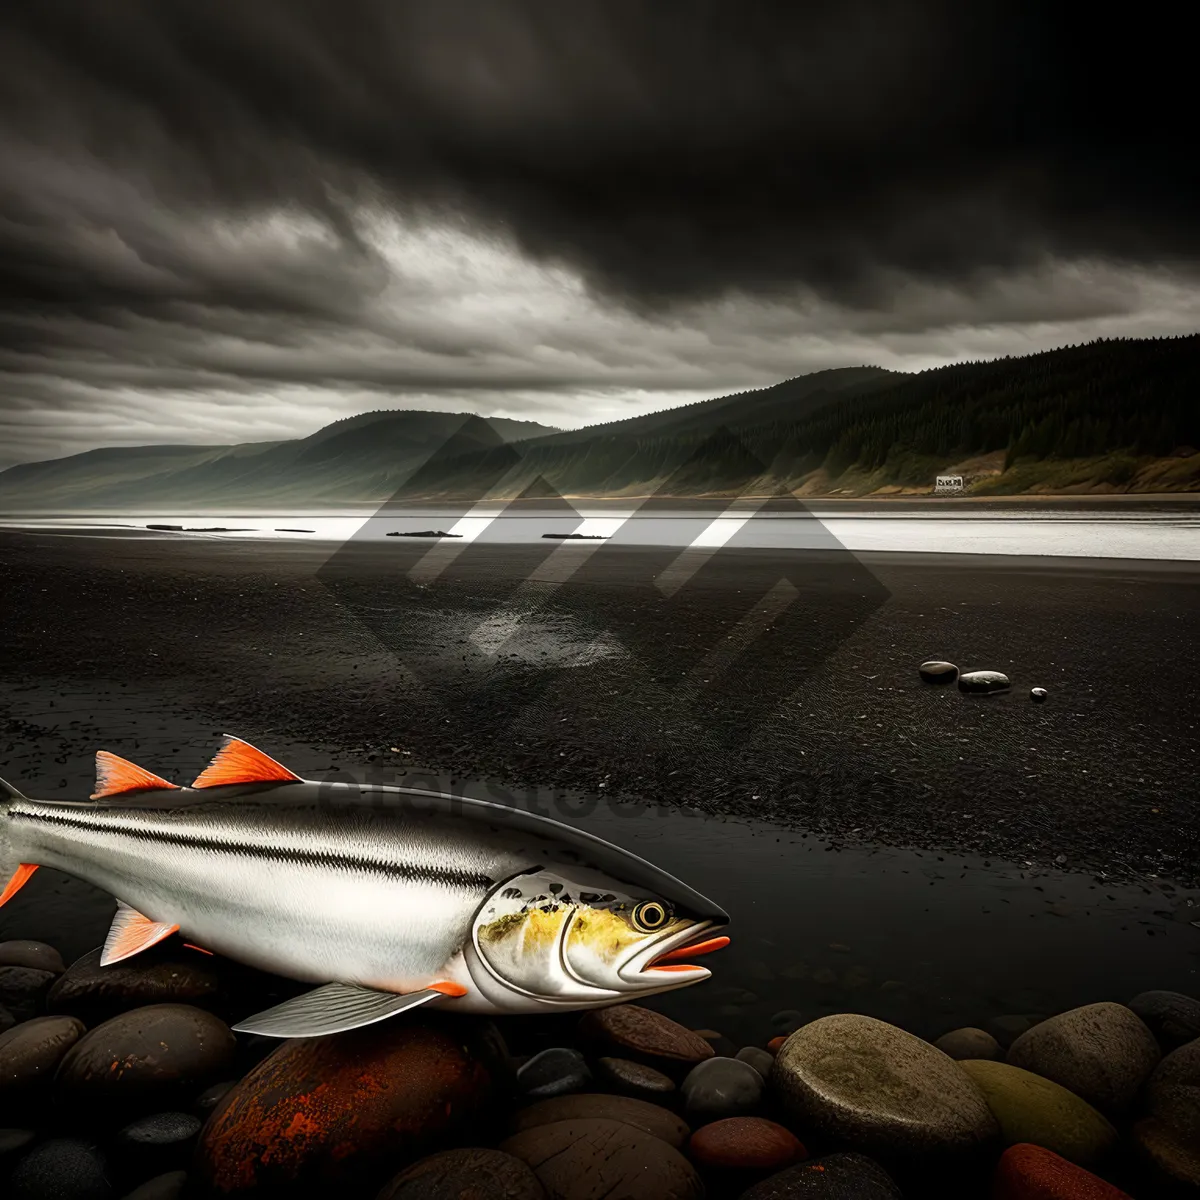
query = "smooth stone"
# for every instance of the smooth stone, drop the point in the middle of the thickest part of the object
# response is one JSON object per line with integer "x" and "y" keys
{"x": 1027, "y": 1172}
{"x": 834, "y": 1177}
{"x": 1172, "y": 1017}
{"x": 594, "y": 1158}
{"x": 630, "y": 1031}
{"x": 970, "y": 1043}
{"x": 23, "y": 990}
{"x": 60, "y": 1169}
{"x": 761, "y": 1060}
{"x": 170, "y": 1186}
{"x": 1102, "y": 1052}
{"x": 1169, "y": 1135}
{"x": 869, "y": 1084}
{"x": 935, "y": 671}
{"x": 13, "y": 1143}
{"x": 983, "y": 682}
{"x": 721, "y": 1045}
{"x": 1036, "y": 1110}
{"x": 7, "y": 1020}
{"x": 473, "y": 1174}
{"x": 155, "y": 1144}
{"x": 776, "y": 1044}
{"x": 348, "y": 1110}
{"x": 642, "y": 1115}
{"x": 634, "y": 1079}
{"x": 1038, "y": 695}
{"x": 36, "y": 955}
{"x": 29, "y": 1056}
{"x": 1008, "y": 1028}
{"x": 211, "y": 1097}
{"x": 158, "y": 976}
{"x": 554, "y": 1072}
{"x": 721, "y": 1087}
{"x": 146, "y": 1060}
{"x": 745, "y": 1144}
{"x": 1175, "y": 1163}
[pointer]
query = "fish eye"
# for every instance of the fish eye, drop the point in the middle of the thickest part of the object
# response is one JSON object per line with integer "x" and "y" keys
{"x": 649, "y": 916}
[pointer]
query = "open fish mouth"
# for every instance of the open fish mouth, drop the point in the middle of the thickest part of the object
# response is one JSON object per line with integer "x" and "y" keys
{"x": 666, "y": 956}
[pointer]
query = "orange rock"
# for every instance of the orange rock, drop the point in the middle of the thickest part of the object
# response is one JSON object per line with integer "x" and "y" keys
{"x": 776, "y": 1043}
{"x": 349, "y": 1109}
{"x": 1028, "y": 1172}
{"x": 745, "y": 1143}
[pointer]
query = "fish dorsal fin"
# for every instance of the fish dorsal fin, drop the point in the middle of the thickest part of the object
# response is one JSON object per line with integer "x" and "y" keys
{"x": 333, "y": 1008}
{"x": 131, "y": 933}
{"x": 8, "y": 792}
{"x": 240, "y": 762}
{"x": 20, "y": 877}
{"x": 115, "y": 775}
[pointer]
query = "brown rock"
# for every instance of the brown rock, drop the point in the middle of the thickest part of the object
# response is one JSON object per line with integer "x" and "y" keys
{"x": 29, "y": 1055}
{"x": 630, "y": 1031}
{"x": 963, "y": 1044}
{"x": 635, "y": 1079}
{"x": 1027, "y": 1172}
{"x": 152, "y": 1059}
{"x": 23, "y": 990}
{"x": 834, "y": 1177}
{"x": 1169, "y": 1136}
{"x": 648, "y": 1118}
{"x": 745, "y": 1144}
{"x": 593, "y": 1159}
{"x": 36, "y": 955}
{"x": 466, "y": 1175}
{"x": 346, "y": 1111}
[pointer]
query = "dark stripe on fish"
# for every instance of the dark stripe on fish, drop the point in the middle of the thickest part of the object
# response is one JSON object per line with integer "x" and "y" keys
{"x": 444, "y": 875}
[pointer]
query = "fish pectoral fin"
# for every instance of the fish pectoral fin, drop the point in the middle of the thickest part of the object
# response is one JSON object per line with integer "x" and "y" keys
{"x": 20, "y": 877}
{"x": 332, "y": 1008}
{"x": 131, "y": 933}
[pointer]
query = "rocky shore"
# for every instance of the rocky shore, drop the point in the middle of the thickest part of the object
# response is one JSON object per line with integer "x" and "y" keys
{"x": 128, "y": 1082}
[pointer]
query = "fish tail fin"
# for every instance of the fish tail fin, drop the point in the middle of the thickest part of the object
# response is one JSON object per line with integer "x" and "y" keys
{"x": 13, "y": 873}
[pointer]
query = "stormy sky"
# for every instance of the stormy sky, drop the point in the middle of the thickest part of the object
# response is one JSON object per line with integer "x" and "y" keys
{"x": 223, "y": 221}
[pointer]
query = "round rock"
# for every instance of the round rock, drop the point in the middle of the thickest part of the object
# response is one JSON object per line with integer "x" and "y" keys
{"x": 970, "y": 1043}
{"x": 1031, "y": 1109}
{"x": 1038, "y": 695}
{"x": 23, "y": 990}
{"x": 1029, "y": 1172}
{"x": 466, "y": 1175}
{"x": 983, "y": 682}
{"x": 594, "y": 1158}
{"x": 761, "y": 1060}
{"x": 29, "y": 1056}
{"x": 1169, "y": 1136}
{"x": 554, "y": 1072}
{"x": 13, "y": 1143}
{"x": 7, "y": 1020}
{"x": 834, "y": 1177}
{"x": 1102, "y": 1052}
{"x": 344, "y": 1111}
{"x": 721, "y": 1087}
{"x": 648, "y": 1118}
{"x": 869, "y": 1084}
{"x": 37, "y": 955}
{"x": 745, "y": 1144}
{"x": 155, "y": 1144}
{"x": 211, "y": 1097}
{"x": 1172, "y": 1017}
{"x": 634, "y": 1079}
{"x": 147, "y": 1060}
{"x": 935, "y": 671}
{"x": 171, "y": 1186}
{"x": 60, "y": 1169}
{"x": 630, "y": 1031}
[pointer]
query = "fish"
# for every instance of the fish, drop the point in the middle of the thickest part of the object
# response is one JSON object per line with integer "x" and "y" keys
{"x": 385, "y": 897}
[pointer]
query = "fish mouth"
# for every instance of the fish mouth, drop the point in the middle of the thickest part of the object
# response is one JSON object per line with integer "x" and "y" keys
{"x": 661, "y": 960}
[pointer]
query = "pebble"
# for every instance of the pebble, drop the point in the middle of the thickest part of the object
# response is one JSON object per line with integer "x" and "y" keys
{"x": 155, "y": 1144}
{"x": 29, "y": 1055}
{"x": 776, "y": 1044}
{"x": 1169, "y": 1135}
{"x": 471, "y": 1174}
{"x": 970, "y": 1043}
{"x": 594, "y": 1158}
{"x": 721, "y": 1087}
{"x": 13, "y": 1143}
{"x": 60, "y": 1169}
{"x": 1028, "y": 1172}
{"x": 37, "y": 955}
{"x": 1038, "y": 695}
{"x": 1008, "y": 1028}
{"x": 834, "y": 1177}
{"x": 554, "y": 1072}
{"x": 343, "y": 1110}
{"x": 869, "y": 1084}
{"x": 649, "y": 1118}
{"x": 1102, "y": 1052}
{"x": 23, "y": 990}
{"x": 1172, "y": 1017}
{"x": 630, "y": 1031}
{"x": 171, "y": 1186}
{"x": 142, "y": 1061}
{"x": 935, "y": 671}
{"x": 761, "y": 1060}
{"x": 211, "y": 1097}
{"x": 745, "y": 1144}
{"x": 983, "y": 682}
{"x": 1029, "y": 1108}
{"x": 634, "y": 1079}
{"x": 721, "y": 1045}
{"x": 7, "y": 1020}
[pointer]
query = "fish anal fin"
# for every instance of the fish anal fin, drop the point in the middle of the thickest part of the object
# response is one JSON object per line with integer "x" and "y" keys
{"x": 239, "y": 762}
{"x": 332, "y": 1008}
{"x": 20, "y": 877}
{"x": 115, "y": 775}
{"x": 131, "y": 933}
{"x": 448, "y": 988}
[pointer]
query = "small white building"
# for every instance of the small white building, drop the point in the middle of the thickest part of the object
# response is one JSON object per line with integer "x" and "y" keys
{"x": 946, "y": 485}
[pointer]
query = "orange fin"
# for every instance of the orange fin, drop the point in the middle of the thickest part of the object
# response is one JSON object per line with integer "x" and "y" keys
{"x": 131, "y": 933}
{"x": 20, "y": 878}
{"x": 447, "y": 988}
{"x": 239, "y": 762}
{"x": 115, "y": 775}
